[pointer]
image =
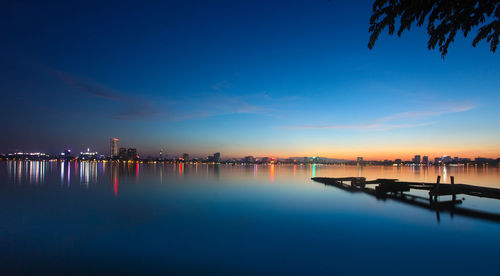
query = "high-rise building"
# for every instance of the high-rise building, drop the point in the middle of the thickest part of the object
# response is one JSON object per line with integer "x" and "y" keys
{"x": 131, "y": 154}
{"x": 185, "y": 157}
{"x": 360, "y": 159}
{"x": 66, "y": 155}
{"x": 217, "y": 157}
{"x": 122, "y": 153}
{"x": 425, "y": 160}
{"x": 416, "y": 159}
{"x": 113, "y": 147}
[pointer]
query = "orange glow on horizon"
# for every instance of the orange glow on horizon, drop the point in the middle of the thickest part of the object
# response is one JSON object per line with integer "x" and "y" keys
{"x": 378, "y": 153}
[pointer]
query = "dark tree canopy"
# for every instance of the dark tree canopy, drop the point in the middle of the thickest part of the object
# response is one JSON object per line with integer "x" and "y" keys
{"x": 444, "y": 19}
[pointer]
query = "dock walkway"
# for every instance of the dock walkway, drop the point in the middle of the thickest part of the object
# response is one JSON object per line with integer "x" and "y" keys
{"x": 384, "y": 188}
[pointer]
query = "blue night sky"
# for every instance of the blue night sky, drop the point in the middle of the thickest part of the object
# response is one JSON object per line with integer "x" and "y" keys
{"x": 264, "y": 78}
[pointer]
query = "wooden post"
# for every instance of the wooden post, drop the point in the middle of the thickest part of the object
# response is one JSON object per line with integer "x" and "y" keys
{"x": 452, "y": 181}
{"x": 437, "y": 188}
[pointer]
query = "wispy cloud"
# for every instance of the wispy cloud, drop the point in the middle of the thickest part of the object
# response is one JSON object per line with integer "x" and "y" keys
{"x": 220, "y": 102}
{"x": 424, "y": 114}
{"x": 374, "y": 126}
{"x": 411, "y": 119}
{"x": 214, "y": 104}
{"x": 134, "y": 108}
{"x": 222, "y": 85}
{"x": 90, "y": 87}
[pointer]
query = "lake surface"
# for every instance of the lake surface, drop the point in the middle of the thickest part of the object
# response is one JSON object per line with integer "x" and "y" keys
{"x": 88, "y": 217}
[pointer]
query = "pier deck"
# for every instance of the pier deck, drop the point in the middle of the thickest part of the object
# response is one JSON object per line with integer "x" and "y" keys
{"x": 383, "y": 189}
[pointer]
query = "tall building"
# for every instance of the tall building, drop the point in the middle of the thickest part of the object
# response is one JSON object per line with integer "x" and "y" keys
{"x": 185, "y": 157}
{"x": 446, "y": 159}
{"x": 416, "y": 159}
{"x": 360, "y": 159}
{"x": 131, "y": 154}
{"x": 217, "y": 157}
{"x": 122, "y": 153}
{"x": 66, "y": 155}
{"x": 113, "y": 147}
{"x": 425, "y": 160}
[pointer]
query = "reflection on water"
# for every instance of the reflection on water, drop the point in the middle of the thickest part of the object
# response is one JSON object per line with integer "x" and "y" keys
{"x": 107, "y": 217}
{"x": 32, "y": 172}
{"x": 88, "y": 173}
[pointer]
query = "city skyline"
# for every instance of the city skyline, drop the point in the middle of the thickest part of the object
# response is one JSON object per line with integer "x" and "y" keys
{"x": 267, "y": 79}
{"x": 116, "y": 150}
{"x": 327, "y": 154}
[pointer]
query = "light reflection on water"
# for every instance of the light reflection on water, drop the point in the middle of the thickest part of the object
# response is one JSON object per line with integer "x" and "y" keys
{"x": 93, "y": 217}
{"x": 87, "y": 173}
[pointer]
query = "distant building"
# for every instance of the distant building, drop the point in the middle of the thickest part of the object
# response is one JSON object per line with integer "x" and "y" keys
{"x": 185, "y": 157}
{"x": 437, "y": 160}
{"x": 28, "y": 155}
{"x": 446, "y": 159}
{"x": 113, "y": 147}
{"x": 398, "y": 161}
{"x": 66, "y": 155}
{"x": 161, "y": 154}
{"x": 217, "y": 157}
{"x": 425, "y": 160}
{"x": 416, "y": 159}
{"x": 360, "y": 159}
{"x": 214, "y": 158}
{"x": 132, "y": 154}
{"x": 122, "y": 153}
{"x": 88, "y": 155}
{"x": 248, "y": 159}
{"x": 480, "y": 160}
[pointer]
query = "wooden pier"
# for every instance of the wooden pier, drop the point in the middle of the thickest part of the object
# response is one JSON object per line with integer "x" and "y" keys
{"x": 383, "y": 189}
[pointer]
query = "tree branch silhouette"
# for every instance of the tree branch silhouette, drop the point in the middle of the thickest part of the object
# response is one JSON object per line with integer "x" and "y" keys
{"x": 445, "y": 18}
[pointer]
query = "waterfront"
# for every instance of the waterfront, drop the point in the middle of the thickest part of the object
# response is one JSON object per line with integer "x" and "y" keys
{"x": 85, "y": 217}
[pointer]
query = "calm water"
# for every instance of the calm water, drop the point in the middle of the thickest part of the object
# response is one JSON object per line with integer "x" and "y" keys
{"x": 217, "y": 219}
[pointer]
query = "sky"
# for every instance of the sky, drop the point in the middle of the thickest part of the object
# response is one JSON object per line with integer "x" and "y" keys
{"x": 262, "y": 78}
